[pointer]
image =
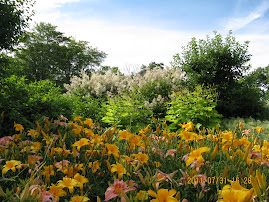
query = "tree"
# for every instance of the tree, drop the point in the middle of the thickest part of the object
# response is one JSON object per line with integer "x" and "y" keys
{"x": 48, "y": 54}
{"x": 103, "y": 69}
{"x": 259, "y": 78}
{"x": 220, "y": 63}
{"x": 15, "y": 15}
{"x": 151, "y": 66}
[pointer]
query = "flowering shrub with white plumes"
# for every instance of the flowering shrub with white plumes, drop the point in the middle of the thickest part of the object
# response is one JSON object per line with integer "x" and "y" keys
{"x": 99, "y": 85}
{"x": 154, "y": 86}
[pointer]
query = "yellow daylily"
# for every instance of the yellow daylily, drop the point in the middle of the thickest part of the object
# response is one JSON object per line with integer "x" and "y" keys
{"x": 88, "y": 122}
{"x": 119, "y": 169}
{"x": 81, "y": 179}
{"x": 68, "y": 183}
{"x": 10, "y": 165}
{"x": 188, "y": 126}
{"x": 124, "y": 135}
{"x": 259, "y": 129}
{"x": 48, "y": 171}
{"x": 197, "y": 155}
{"x": 112, "y": 149}
{"x": 235, "y": 193}
{"x": 82, "y": 142}
{"x": 57, "y": 191}
{"x": 163, "y": 195}
{"x": 79, "y": 199}
{"x": 143, "y": 158}
{"x": 18, "y": 127}
{"x": 94, "y": 166}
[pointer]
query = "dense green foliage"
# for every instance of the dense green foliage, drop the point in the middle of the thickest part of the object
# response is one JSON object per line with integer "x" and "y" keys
{"x": 197, "y": 106}
{"x": 259, "y": 78}
{"x": 157, "y": 92}
{"x": 15, "y": 15}
{"x": 127, "y": 109}
{"x": 221, "y": 63}
{"x": 25, "y": 103}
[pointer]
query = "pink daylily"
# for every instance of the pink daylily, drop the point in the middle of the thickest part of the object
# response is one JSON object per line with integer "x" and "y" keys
{"x": 201, "y": 179}
{"x": 246, "y": 132}
{"x": 170, "y": 152}
{"x": 62, "y": 163}
{"x": 5, "y": 140}
{"x": 116, "y": 189}
{"x": 27, "y": 142}
{"x": 35, "y": 158}
{"x": 45, "y": 195}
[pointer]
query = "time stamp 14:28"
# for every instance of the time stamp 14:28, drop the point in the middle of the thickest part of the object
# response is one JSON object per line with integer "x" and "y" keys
{"x": 216, "y": 180}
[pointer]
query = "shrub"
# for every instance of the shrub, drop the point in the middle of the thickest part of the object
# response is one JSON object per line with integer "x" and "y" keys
{"x": 98, "y": 85}
{"x": 26, "y": 103}
{"x": 197, "y": 106}
{"x": 127, "y": 109}
{"x": 87, "y": 106}
{"x": 111, "y": 83}
{"x": 155, "y": 86}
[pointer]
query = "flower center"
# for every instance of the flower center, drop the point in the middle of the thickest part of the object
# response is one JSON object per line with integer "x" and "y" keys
{"x": 118, "y": 190}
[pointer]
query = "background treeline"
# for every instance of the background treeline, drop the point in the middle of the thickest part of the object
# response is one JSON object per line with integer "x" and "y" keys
{"x": 45, "y": 73}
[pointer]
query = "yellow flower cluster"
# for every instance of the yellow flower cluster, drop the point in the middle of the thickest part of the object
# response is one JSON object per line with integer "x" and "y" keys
{"x": 61, "y": 160}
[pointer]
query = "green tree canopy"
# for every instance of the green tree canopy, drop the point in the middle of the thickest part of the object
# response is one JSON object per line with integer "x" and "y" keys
{"x": 221, "y": 63}
{"x": 151, "y": 66}
{"x": 48, "y": 54}
{"x": 214, "y": 61}
{"x": 15, "y": 15}
{"x": 259, "y": 78}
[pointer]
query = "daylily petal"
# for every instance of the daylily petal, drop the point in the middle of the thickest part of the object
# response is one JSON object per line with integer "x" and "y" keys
{"x": 172, "y": 192}
{"x": 152, "y": 193}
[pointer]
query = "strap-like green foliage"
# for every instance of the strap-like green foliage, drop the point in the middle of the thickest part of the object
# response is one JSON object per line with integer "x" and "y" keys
{"x": 197, "y": 106}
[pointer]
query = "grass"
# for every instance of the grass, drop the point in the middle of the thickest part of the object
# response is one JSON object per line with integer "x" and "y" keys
{"x": 248, "y": 123}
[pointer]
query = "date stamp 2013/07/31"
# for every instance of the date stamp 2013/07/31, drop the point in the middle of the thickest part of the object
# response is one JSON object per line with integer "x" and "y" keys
{"x": 218, "y": 180}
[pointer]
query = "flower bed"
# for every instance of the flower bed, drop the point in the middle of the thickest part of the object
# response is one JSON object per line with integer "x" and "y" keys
{"x": 79, "y": 161}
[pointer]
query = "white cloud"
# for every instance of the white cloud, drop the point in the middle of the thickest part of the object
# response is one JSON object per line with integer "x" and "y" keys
{"x": 45, "y": 5}
{"x": 48, "y": 10}
{"x": 128, "y": 47}
{"x": 240, "y": 22}
{"x": 258, "y": 48}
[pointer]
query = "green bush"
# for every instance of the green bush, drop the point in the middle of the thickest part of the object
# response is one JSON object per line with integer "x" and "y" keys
{"x": 88, "y": 106}
{"x": 127, "y": 109}
{"x": 156, "y": 93}
{"x": 197, "y": 106}
{"x": 25, "y": 103}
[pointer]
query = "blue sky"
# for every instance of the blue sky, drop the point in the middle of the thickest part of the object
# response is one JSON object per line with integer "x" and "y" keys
{"x": 136, "y": 32}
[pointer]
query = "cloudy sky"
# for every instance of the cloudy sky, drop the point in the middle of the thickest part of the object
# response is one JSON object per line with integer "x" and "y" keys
{"x": 136, "y": 32}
